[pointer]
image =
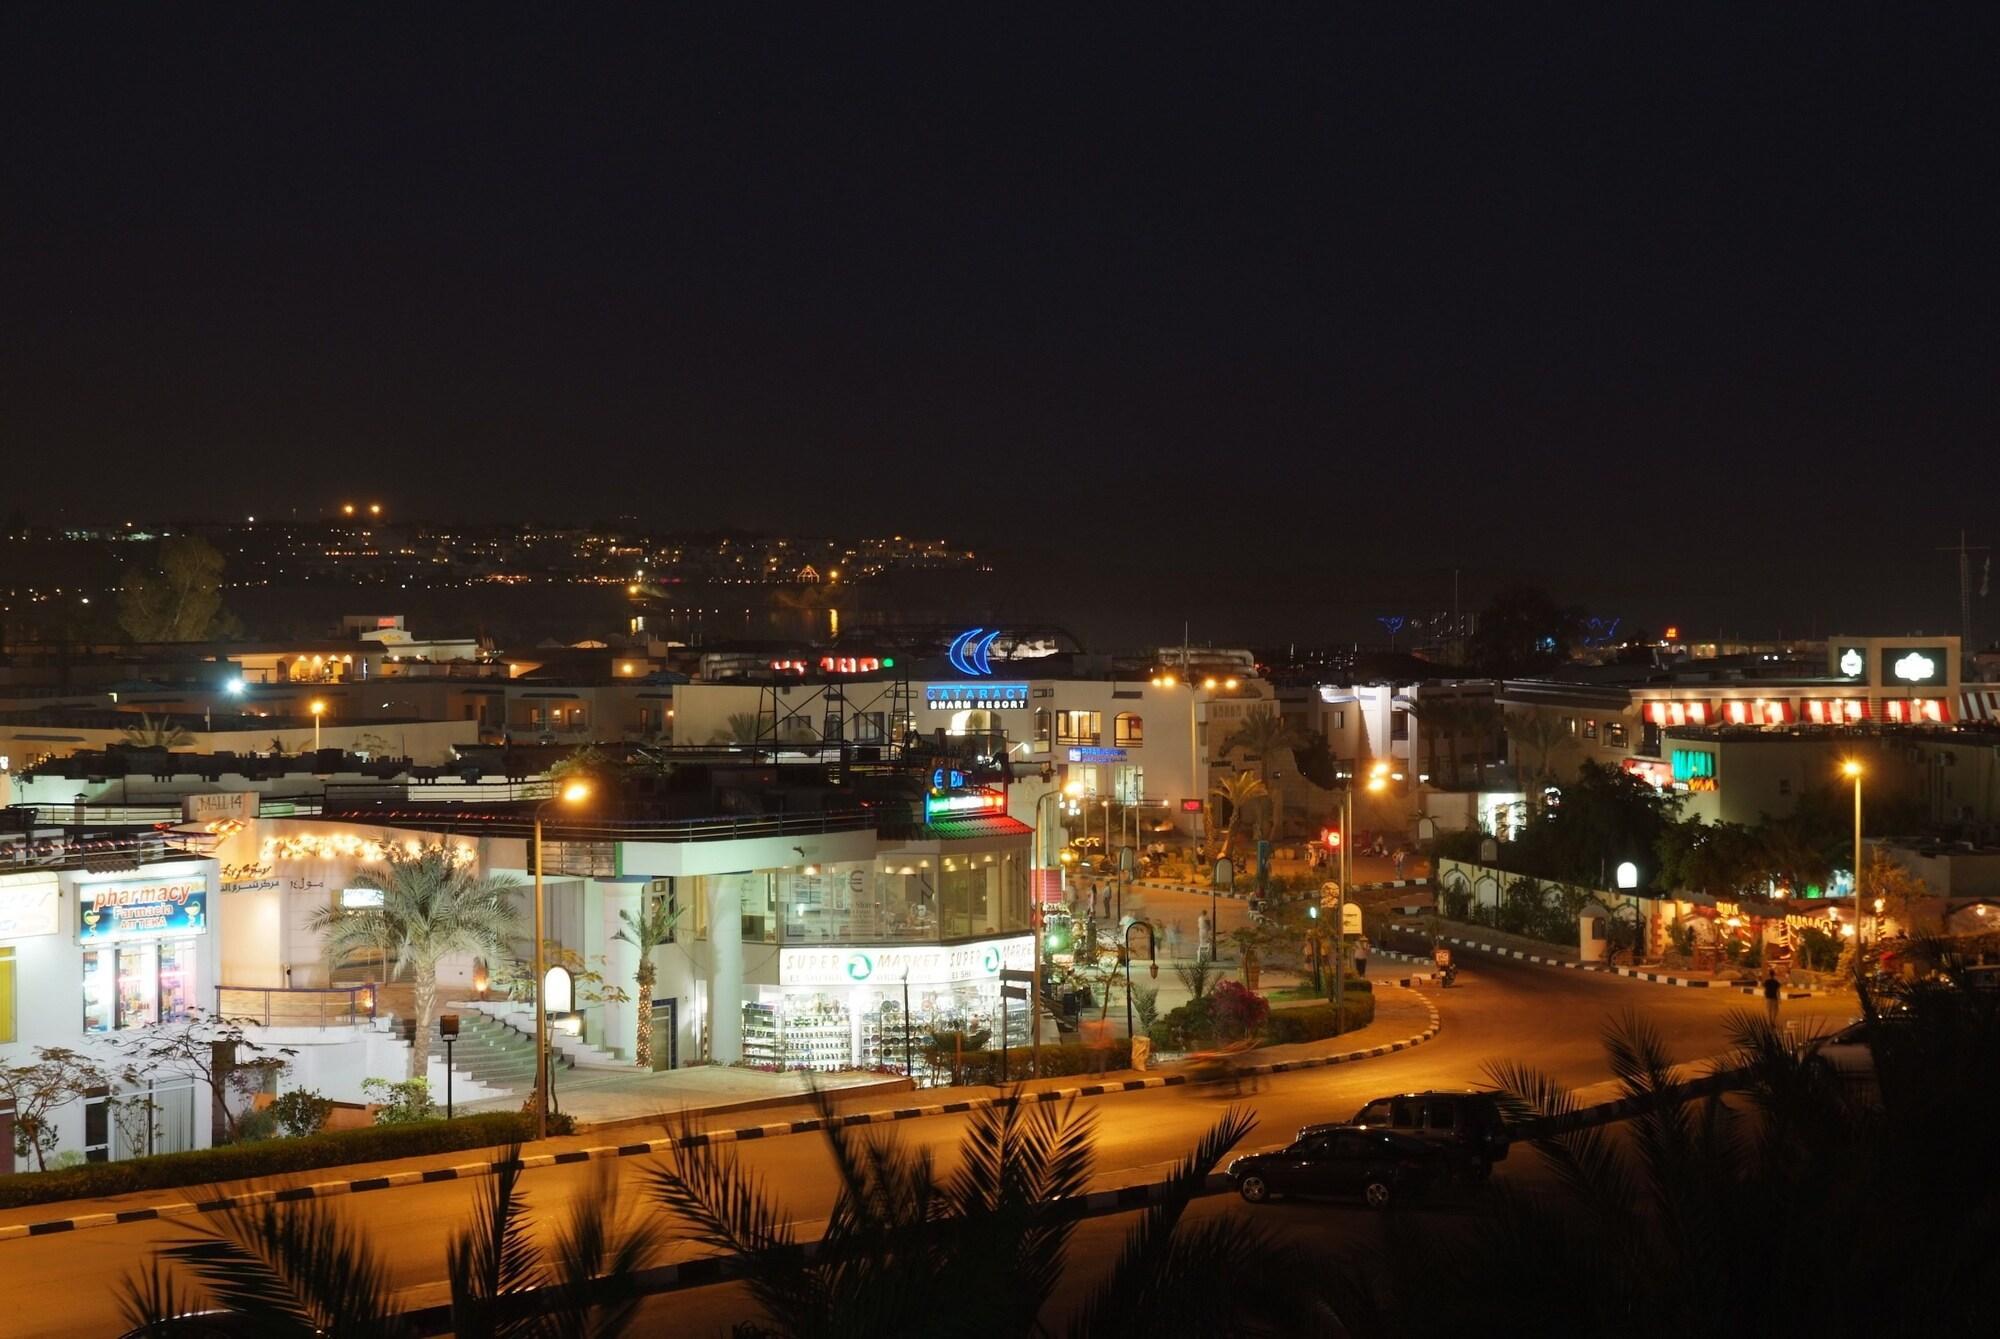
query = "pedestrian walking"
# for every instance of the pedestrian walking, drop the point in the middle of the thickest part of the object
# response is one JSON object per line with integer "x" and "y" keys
{"x": 1173, "y": 939}
{"x": 1771, "y": 995}
{"x": 1361, "y": 956}
{"x": 1402, "y": 854}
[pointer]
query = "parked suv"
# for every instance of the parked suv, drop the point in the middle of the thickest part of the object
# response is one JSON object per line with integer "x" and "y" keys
{"x": 1382, "y": 1168}
{"x": 1468, "y": 1124}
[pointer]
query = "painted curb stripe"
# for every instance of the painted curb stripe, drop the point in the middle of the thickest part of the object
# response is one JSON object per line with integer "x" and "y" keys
{"x": 1657, "y": 978}
{"x": 467, "y": 1170}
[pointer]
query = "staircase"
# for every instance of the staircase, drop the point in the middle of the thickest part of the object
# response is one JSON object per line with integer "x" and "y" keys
{"x": 493, "y": 1054}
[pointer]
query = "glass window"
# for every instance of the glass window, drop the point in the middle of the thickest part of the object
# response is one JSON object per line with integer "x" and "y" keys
{"x": 1614, "y": 734}
{"x": 1079, "y": 727}
{"x": 1129, "y": 730}
{"x": 1589, "y": 729}
{"x": 1347, "y": 1146}
{"x": 98, "y": 966}
{"x": 177, "y": 981}
{"x": 138, "y": 986}
{"x": 1441, "y": 1115}
{"x": 1375, "y": 1113}
{"x": 868, "y": 727}
{"x": 1403, "y": 1113}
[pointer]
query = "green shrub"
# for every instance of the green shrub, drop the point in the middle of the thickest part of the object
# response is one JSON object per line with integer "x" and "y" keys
{"x": 1315, "y": 1023}
{"x": 301, "y": 1112}
{"x": 252, "y": 1126}
{"x": 401, "y": 1103}
{"x": 207, "y": 1166}
{"x": 978, "y": 1067}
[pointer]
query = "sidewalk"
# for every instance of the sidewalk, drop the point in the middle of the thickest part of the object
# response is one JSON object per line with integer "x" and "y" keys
{"x": 600, "y": 1099}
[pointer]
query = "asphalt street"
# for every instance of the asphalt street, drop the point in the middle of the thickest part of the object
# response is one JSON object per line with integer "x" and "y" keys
{"x": 63, "y": 1284}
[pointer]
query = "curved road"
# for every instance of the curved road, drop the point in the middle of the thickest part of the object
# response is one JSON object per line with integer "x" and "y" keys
{"x": 62, "y": 1284}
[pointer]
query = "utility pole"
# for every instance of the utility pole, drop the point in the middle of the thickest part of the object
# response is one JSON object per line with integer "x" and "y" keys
{"x": 1966, "y": 646}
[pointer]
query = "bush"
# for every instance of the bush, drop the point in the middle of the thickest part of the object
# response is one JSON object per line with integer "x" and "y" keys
{"x": 401, "y": 1103}
{"x": 1069, "y": 1058}
{"x": 1315, "y": 1023}
{"x": 201, "y": 1167}
{"x": 301, "y": 1112}
{"x": 1237, "y": 1011}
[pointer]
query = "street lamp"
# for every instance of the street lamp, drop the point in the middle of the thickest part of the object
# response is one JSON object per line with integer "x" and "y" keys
{"x": 1152, "y": 964}
{"x": 1378, "y": 779}
{"x": 1852, "y": 769}
{"x": 318, "y": 709}
{"x": 1041, "y": 858}
{"x": 575, "y": 792}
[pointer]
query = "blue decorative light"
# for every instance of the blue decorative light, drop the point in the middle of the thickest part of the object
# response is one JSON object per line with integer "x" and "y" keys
{"x": 971, "y": 651}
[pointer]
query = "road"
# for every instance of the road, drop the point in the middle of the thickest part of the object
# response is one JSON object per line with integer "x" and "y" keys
{"x": 58, "y": 1285}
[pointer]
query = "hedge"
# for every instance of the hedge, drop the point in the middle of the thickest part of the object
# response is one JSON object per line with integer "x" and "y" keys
{"x": 1315, "y": 1021}
{"x": 266, "y": 1157}
{"x": 1057, "y": 1060}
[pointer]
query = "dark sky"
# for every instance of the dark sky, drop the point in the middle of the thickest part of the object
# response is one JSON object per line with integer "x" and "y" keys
{"x": 1686, "y": 312}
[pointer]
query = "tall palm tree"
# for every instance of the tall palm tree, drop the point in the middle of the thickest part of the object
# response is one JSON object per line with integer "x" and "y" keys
{"x": 291, "y": 1268}
{"x": 1541, "y": 740}
{"x": 1236, "y": 793}
{"x": 652, "y": 927}
{"x": 1442, "y": 720}
{"x": 433, "y": 907}
{"x": 1262, "y": 734}
{"x": 907, "y": 1251}
{"x": 160, "y": 734}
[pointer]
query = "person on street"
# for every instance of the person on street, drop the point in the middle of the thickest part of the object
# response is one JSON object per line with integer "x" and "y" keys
{"x": 1771, "y": 995}
{"x": 1402, "y": 854}
{"x": 1173, "y": 939}
{"x": 1361, "y": 956}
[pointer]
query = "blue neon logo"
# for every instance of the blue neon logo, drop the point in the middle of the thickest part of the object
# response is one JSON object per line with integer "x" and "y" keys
{"x": 971, "y": 651}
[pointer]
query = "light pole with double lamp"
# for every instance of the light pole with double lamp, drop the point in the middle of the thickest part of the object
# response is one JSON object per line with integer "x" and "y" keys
{"x": 1852, "y": 769}
{"x": 574, "y": 792}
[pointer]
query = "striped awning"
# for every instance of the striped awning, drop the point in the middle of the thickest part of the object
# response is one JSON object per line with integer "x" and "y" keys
{"x": 1980, "y": 704}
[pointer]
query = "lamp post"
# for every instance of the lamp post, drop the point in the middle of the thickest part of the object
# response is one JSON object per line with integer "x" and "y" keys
{"x": 1378, "y": 779}
{"x": 448, "y": 1029}
{"x": 318, "y": 709}
{"x": 574, "y": 793}
{"x": 1153, "y": 965}
{"x": 1852, "y": 769}
{"x": 1035, "y": 928}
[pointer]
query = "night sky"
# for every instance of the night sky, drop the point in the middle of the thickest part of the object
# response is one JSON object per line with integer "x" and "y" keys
{"x": 1274, "y": 314}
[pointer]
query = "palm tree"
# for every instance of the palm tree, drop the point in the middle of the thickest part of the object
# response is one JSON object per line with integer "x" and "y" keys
{"x": 1263, "y": 733}
{"x": 1540, "y": 738}
{"x": 433, "y": 906}
{"x": 652, "y": 927}
{"x": 1234, "y": 793}
{"x": 291, "y": 1268}
{"x": 160, "y": 734}
{"x": 743, "y": 727}
{"x": 907, "y": 1251}
{"x": 1442, "y": 719}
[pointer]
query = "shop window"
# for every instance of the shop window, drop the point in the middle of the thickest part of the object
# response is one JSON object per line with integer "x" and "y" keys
{"x": 1129, "y": 730}
{"x": 7, "y": 996}
{"x": 1041, "y": 729}
{"x": 1614, "y": 734}
{"x": 1079, "y": 727}
{"x": 137, "y": 985}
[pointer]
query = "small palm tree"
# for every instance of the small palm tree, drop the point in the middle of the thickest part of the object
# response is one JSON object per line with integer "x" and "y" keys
{"x": 1235, "y": 794}
{"x": 652, "y": 927}
{"x": 291, "y": 1268}
{"x": 433, "y": 906}
{"x": 160, "y": 734}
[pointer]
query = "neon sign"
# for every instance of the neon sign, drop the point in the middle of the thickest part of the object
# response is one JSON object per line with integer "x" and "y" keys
{"x": 975, "y": 696}
{"x": 962, "y": 802}
{"x": 971, "y": 651}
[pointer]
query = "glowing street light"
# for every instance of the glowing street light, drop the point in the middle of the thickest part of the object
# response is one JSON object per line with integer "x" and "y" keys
{"x": 318, "y": 709}
{"x": 1851, "y": 769}
{"x": 572, "y": 793}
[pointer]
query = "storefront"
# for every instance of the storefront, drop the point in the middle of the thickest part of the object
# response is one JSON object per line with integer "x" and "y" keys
{"x": 859, "y": 1006}
{"x": 139, "y": 939}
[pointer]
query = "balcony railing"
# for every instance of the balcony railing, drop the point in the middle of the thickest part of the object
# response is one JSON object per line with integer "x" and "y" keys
{"x": 273, "y": 1006}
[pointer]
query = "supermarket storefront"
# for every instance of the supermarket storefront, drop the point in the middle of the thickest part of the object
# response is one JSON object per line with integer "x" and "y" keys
{"x": 851, "y": 1006}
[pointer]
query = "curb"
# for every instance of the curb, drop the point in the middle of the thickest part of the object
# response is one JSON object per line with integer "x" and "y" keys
{"x": 644, "y": 1148}
{"x": 1657, "y": 978}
